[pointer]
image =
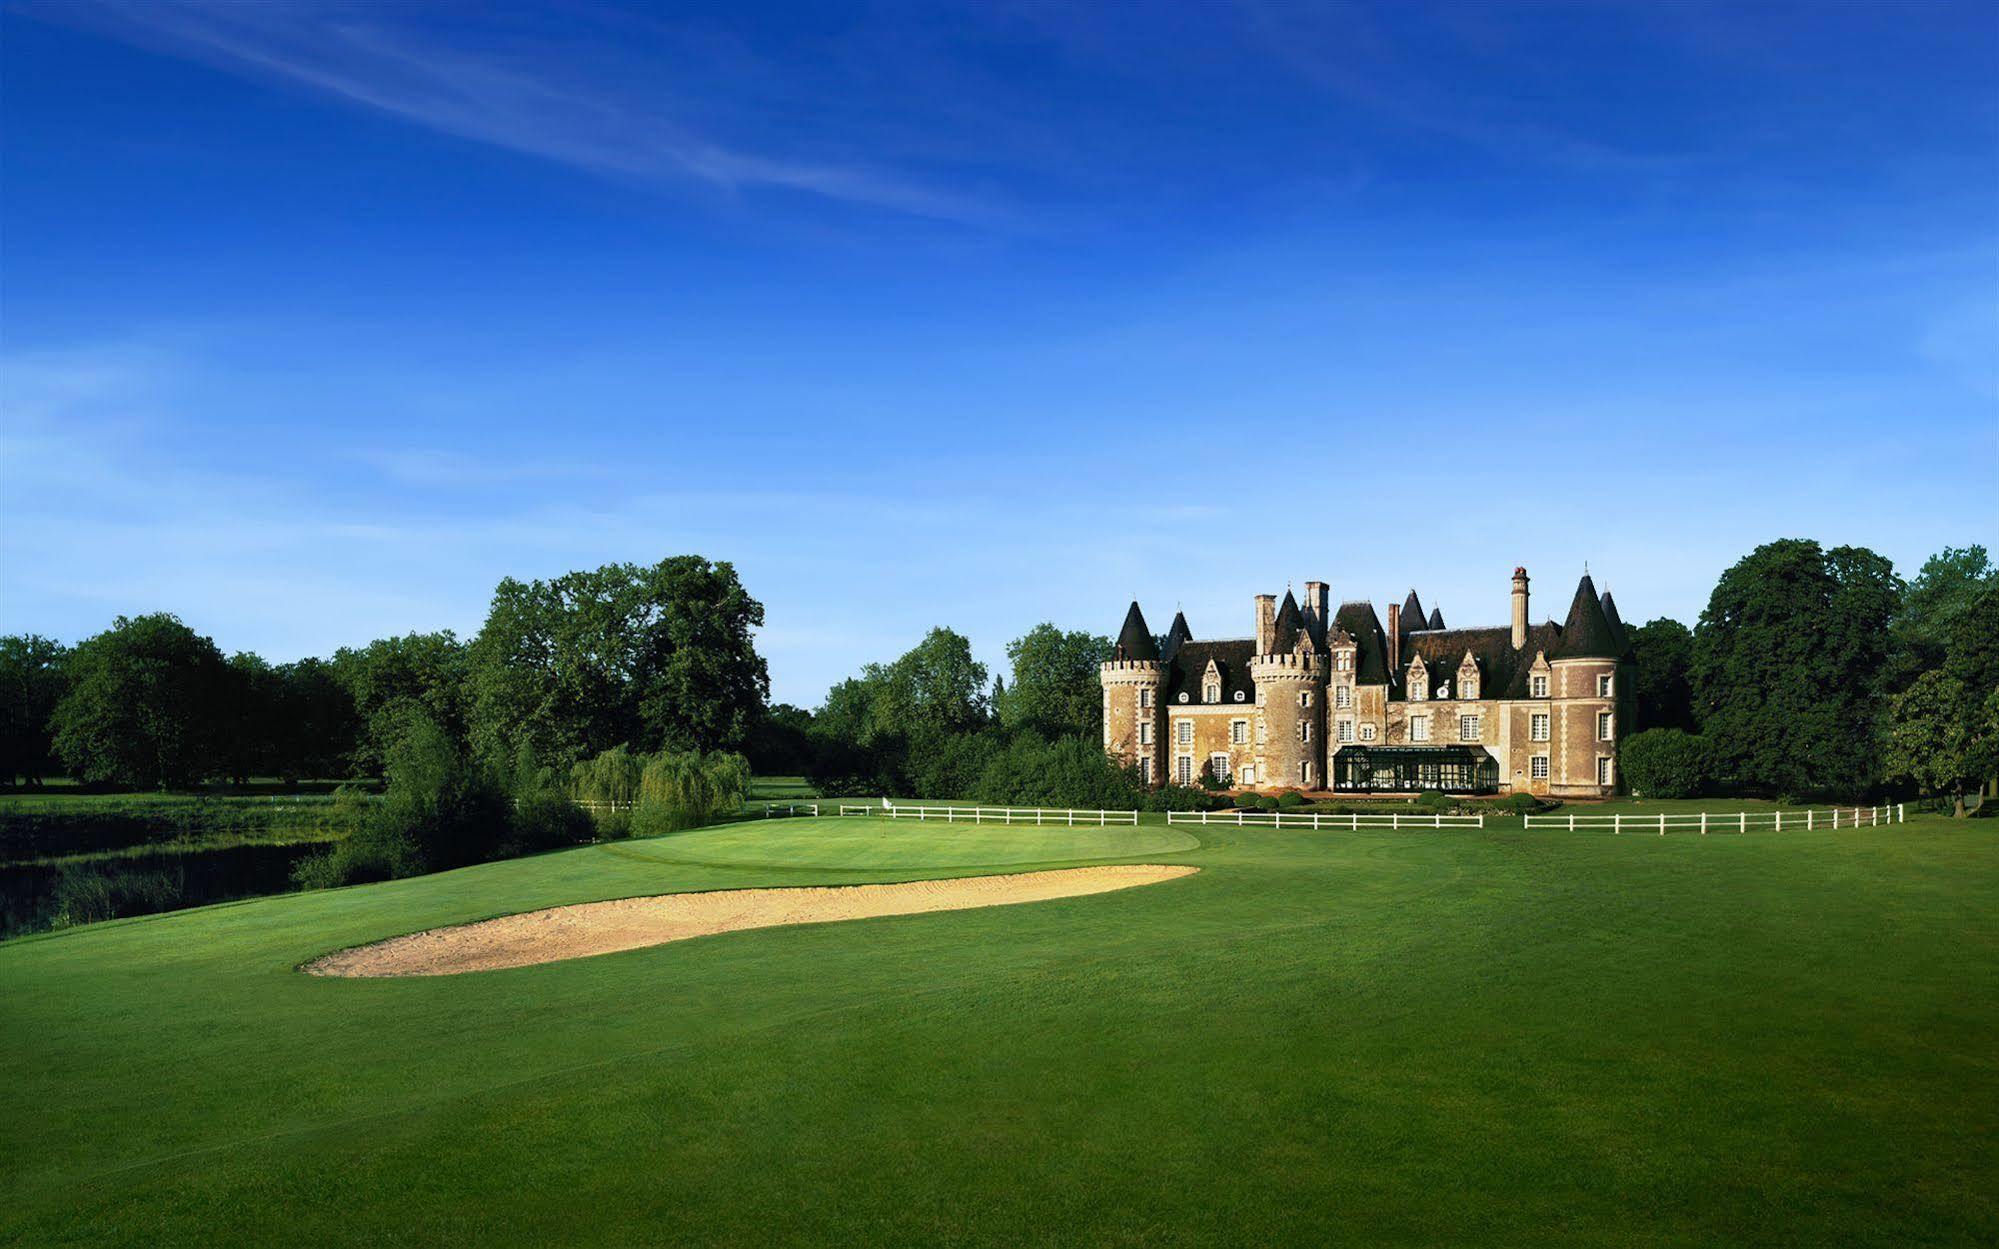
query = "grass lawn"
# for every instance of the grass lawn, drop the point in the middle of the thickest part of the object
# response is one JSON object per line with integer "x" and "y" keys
{"x": 1479, "y": 1038}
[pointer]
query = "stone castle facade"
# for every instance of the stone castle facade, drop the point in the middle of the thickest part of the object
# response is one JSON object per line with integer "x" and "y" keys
{"x": 1322, "y": 699}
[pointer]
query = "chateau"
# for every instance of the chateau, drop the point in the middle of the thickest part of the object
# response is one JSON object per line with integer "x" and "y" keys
{"x": 1321, "y": 699}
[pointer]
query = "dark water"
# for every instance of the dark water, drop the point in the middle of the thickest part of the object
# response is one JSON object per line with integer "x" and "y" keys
{"x": 34, "y": 897}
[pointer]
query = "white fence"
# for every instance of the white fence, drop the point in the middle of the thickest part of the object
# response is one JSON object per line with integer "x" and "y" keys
{"x": 1352, "y": 823}
{"x": 1732, "y": 822}
{"x": 996, "y": 815}
{"x": 773, "y": 810}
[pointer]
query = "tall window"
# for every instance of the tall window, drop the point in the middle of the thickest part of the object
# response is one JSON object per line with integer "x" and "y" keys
{"x": 1603, "y": 769}
{"x": 1419, "y": 728}
{"x": 1343, "y": 696}
{"x": 1603, "y": 726}
{"x": 1219, "y": 765}
{"x": 1262, "y": 731}
{"x": 1603, "y": 685}
{"x": 1537, "y": 767}
{"x": 1537, "y": 726}
{"x": 1144, "y": 733}
{"x": 1305, "y": 773}
{"x": 1147, "y": 764}
{"x": 1211, "y": 693}
{"x": 1419, "y": 686}
{"x": 1467, "y": 686}
{"x": 1344, "y": 730}
{"x": 1183, "y": 732}
{"x": 1145, "y": 697}
{"x": 1304, "y": 698}
{"x": 1304, "y": 730}
{"x": 1537, "y": 685}
{"x": 1183, "y": 769}
{"x": 1343, "y": 662}
{"x": 1238, "y": 732}
{"x": 1467, "y": 728}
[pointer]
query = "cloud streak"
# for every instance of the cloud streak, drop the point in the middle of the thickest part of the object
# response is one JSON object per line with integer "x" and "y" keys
{"x": 556, "y": 112}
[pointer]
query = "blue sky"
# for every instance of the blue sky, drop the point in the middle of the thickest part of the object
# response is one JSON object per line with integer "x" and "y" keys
{"x": 317, "y": 319}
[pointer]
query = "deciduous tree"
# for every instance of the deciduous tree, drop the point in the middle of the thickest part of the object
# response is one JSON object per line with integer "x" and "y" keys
{"x": 144, "y": 705}
{"x": 31, "y": 684}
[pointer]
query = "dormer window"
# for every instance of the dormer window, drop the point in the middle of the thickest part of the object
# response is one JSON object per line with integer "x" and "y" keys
{"x": 1419, "y": 684}
{"x": 1343, "y": 661}
{"x": 1211, "y": 693}
{"x": 1467, "y": 686}
{"x": 1537, "y": 686}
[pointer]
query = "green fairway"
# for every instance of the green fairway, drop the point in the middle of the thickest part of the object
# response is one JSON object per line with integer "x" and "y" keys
{"x": 1477, "y": 1037}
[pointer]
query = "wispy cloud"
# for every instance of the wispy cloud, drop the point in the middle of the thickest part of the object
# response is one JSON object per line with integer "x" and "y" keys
{"x": 563, "y": 110}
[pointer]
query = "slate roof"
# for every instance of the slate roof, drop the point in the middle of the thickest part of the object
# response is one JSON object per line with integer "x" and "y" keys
{"x": 1412, "y": 614}
{"x": 1177, "y": 635}
{"x": 1588, "y": 633}
{"x": 1370, "y": 641}
{"x": 1616, "y": 623}
{"x": 1284, "y": 630}
{"x": 1190, "y": 663}
{"x": 1436, "y": 618}
{"x": 1135, "y": 641}
{"x": 1502, "y": 671}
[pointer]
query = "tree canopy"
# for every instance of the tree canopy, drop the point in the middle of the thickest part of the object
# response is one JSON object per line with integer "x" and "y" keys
{"x": 144, "y": 707}
{"x": 1662, "y": 656}
{"x": 31, "y": 684}
{"x": 661, "y": 657}
{"x": 1055, "y": 690}
{"x": 1788, "y": 661}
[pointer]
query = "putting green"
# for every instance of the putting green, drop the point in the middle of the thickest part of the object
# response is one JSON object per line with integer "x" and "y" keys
{"x": 865, "y": 842}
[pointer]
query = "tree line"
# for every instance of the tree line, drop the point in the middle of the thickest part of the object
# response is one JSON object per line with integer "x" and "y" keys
{"x": 1817, "y": 672}
{"x": 658, "y": 658}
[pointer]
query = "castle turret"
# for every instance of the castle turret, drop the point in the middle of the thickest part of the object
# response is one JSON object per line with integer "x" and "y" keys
{"x": 1290, "y": 673}
{"x": 1586, "y": 686}
{"x": 1132, "y": 713}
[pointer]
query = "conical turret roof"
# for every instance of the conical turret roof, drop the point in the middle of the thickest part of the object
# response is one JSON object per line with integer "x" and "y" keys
{"x": 1436, "y": 618}
{"x": 1284, "y": 630}
{"x": 1176, "y": 634}
{"x": 1616, "y": 622}
{"x": 1588, "y": 634}
{"x": 1412, "y": 612}
{"x": 1135, "y": 640}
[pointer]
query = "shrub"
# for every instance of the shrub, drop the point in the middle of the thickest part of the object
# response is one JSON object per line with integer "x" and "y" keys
{"x": 1290, "y": 800}
{"x": 1665, "y": 763}
{"x": 1069, "y": 772}
{"x": 1179, "y": 798}
{"x": 1522, "y": 804}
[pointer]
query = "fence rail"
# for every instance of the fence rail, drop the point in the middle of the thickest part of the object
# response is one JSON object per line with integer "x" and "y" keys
{"x": 996, "y": 815}
{"x": 1730, "y": 822}
{"x": 1352, "y": 823}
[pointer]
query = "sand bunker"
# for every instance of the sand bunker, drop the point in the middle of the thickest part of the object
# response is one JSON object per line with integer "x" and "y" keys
{"x": 565, "y": 932}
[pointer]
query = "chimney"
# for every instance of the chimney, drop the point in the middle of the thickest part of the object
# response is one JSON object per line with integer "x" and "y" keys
{"x": 1519, "y": 608}
{"x": 1266, "y": 622}
{"x": 1394, "y": 639}
{"x": 1315, "y": 602}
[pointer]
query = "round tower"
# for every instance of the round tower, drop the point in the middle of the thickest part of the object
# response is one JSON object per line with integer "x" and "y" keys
{"x": 1292, "y": 689}
{"x": 1133, "y": 726}
{"x": 1131, "y": 677}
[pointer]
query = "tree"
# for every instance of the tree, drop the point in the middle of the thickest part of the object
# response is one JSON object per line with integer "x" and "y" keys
{"x": 31, "y": 684}
{"x": 390, "y": 680}
{"x": 1946, "y": 589}
{"x": 1972, "y": 660}
{"x": 1928, "y": 741}
{"x": 1788, "y": 660}
{"x": 144, "y": 702}
{"x": 1662, "y": 653}
{"x": 1056, "y": 690}
{"x": 658, "y": 656}
{"x": 1664, "y": 763}
{"x": 317, "y": 725}
{"x": 935, "y": 689}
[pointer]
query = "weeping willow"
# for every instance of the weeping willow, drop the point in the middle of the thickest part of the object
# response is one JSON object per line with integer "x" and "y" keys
{"x": 687, "y": 789}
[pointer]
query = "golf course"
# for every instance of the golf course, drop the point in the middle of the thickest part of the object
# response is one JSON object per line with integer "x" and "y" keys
{"x": 1479, "y": 1037}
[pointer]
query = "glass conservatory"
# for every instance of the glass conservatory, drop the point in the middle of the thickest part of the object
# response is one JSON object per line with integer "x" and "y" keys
{"x": 1405, "y": 769}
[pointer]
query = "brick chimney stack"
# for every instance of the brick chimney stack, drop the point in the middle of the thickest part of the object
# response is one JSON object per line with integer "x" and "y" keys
{"x": 1394, "y": 639}
{"x": 1266, "y": 622}
{"x": 1315, "y": 602}
{"x": 1519, "y": 608}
